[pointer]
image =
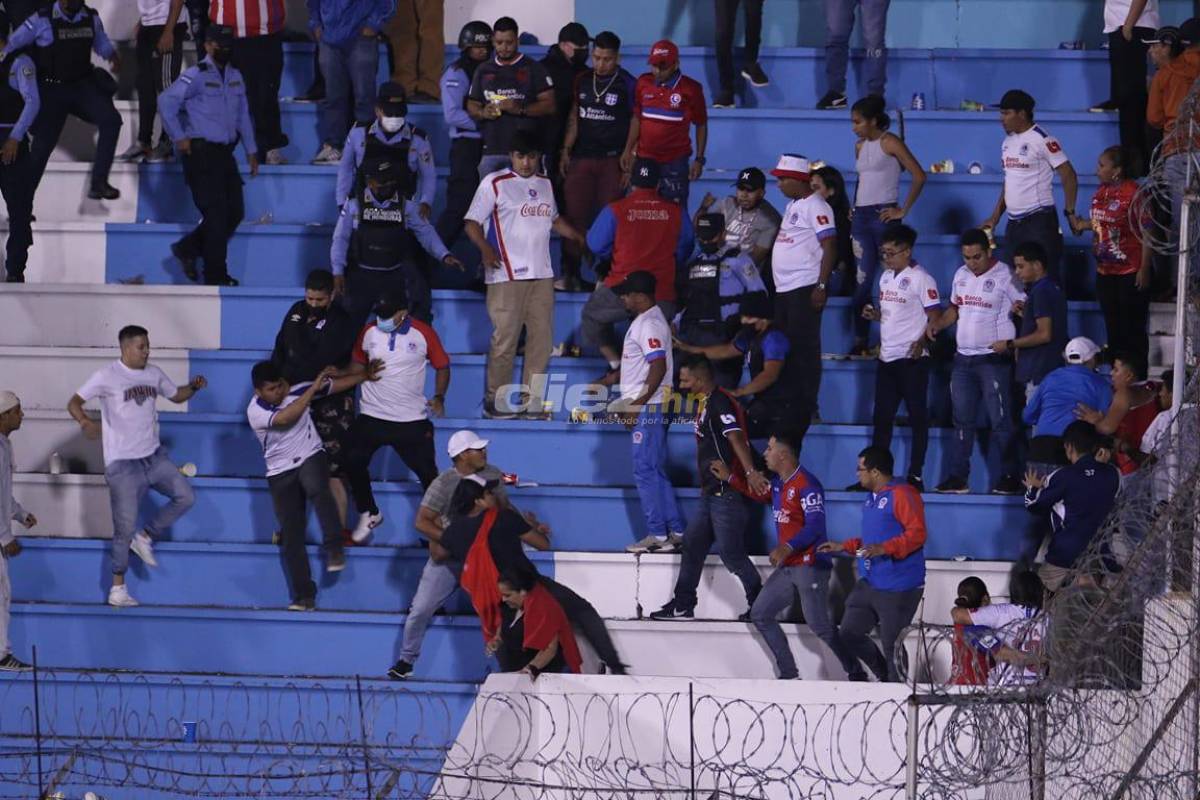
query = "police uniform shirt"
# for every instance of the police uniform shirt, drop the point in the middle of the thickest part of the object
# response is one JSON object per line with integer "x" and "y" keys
{"x": 38, "y": 30}
{"x": 904, "y": 297}
{"x": 22, "y": 79}
{"x": 128, "y": 412}
{"x": 716, "y": 284}
{"x": 348, "y": 223}
{"x": 420, "y": 159}
{"x": 208, "y": 102}
{"x": 455, "y": 85}
{"x": 985, "y": 303}
{"x": 1029, "y": 160}
{"x": 283, "y": 448}
{"x": 647, "y": 340}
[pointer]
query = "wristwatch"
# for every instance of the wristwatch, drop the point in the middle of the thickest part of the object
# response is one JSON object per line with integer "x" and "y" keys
{"x": 441, "y": 397}
{"x": 821, "y": 286}
{"x": 701, "y": 160}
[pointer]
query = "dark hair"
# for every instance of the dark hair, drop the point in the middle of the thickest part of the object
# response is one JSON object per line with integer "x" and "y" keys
{"x": 1134, "y": 362}
{"x": 607, "y": 40}
{"x": 790, "y": 438}
{"x": 466, "y": 494}
{"x": 319, "y": 280}
{"x": 899, "y": 234}
{"x": 265, "y": 372}
{"x": 840, "y": 203}
{"x": 1030, "y": 251}
{"x": 525, "y": 143}
{"x": 1119, "y": 156}
{"x": 523, "y": 579}
{"x": 977, "y": 237}
{"x": 834, "y": 180}
{"x": 506, "y": 24}
{"x": 698, "y": 362}
{"x": 1082, "y": 436}
{"x": 1168, "y": 379}
{"x": 880, "y": 458}
{"x": 1027, "y": 590}
{"x": 131, "y": 332}
{"x": 872, "y": 107}
{"x": 971, "y": 592}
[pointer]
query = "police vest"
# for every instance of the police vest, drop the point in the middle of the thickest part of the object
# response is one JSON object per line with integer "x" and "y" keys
{"x": 376, "y": 152}
{"x": 68, "y": 57}
{"x": 381, "y": 240}
{"x": 11, "y": 101}
{"x": 704, "y": 299}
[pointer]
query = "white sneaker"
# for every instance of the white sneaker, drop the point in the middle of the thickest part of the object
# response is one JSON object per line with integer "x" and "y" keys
{"x": 650, "y": 544}
{"x": 674, "y": 543}
{"x": 367, "y": 522}
{"x": 275, "y": 157}
{"x": 143, "y": 546}
{"x": 328, "y": 155}
{"x": 119, "y": 597}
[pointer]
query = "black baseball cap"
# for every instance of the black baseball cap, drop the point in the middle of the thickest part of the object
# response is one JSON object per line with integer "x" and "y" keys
{"x": 392, "y": 99}
{"x": 390, "y": 302}
{"x": 757, "y": 305}
{"x": 1016, "y": 100}
{"x": 710, "y": 226}
{"x": 751, "y": 178}
{"x": 1167, "y": 34}
{"x": 220, "y": 35}
{"x": 380, "y": 169}
{"x": 574, "y": 33}
{"x": 1189, "y": 31}
{"x": 645, "y": 173}
{"x": 641, "y": 282}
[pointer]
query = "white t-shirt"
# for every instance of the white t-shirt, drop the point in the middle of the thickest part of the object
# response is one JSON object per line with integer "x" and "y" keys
{"x": 283, "y": 448}
{"x": 796, "y": 257}
{"x": 128, "y": 417}
{"x": 155, "y": 12}
{"x": 903, "y": 298}
{"x": 1018, "y": 627}
{"x": 516, "y": 214}
{"x": 985, "y": 304}
{"x": 399, "y": 394}
{"x": 647, "y": 340}
{"x": 1029, "y": 160}
{"x": 1115, "y": 12}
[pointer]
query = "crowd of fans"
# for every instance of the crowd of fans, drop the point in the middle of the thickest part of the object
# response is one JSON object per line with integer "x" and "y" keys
{"x": 735, "y": 293}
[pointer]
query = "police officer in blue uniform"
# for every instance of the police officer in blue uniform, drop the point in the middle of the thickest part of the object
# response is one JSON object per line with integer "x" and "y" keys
{"x": 391, "y": 137}
{"x": 19, "y": 104}
{"x": 374, "y": 251}
{"x": 64, "y": 36}
{"x": 466, "y": 145}
{"x": 205, "y": 112}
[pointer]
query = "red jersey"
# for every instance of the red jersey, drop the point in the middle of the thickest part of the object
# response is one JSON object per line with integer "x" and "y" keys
{"x": 1133, "y": 427}
{"x": 546, "y": 621}
{"x": 666, "y": 113}
{"x": 249, "y": 17}
{"x": 799, "y": 505}
{"x": 1118, "y": 241}
{"x": 647, "y": 234}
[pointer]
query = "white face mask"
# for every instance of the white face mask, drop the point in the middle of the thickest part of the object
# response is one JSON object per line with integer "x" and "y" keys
{"x": 391, "y": 124}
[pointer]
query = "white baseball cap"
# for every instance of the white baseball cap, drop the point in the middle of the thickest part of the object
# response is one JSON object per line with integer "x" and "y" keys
{"x": 462, "y": 441}
{"x": 792, "y": 165}
{"x": 8, "y": 401}
{"x": 1080, "y": 350}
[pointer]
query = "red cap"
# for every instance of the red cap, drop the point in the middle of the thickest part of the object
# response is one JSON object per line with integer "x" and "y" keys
{"x": 663, "y": 52}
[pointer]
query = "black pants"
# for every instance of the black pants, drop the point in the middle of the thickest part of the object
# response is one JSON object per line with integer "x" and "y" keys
{"x": 765, "y": 417}
{"x": 260, "y": 60}
{"x": 1127, "y": 77}
{"x": 588, "y": 621}
{"x": 905, "y": 379}
{"x": 155, "y": 72}
{"x": 212, "y": 175}
{"x": 365, "y": 286}
{"x": 291, "y": 492}
{"x": 460, "y": 187}
{"x": 795, "y": 315}
{"x": 1041, "y": 227}
{"x": 18, "y": 199}
{"x": 412, "y": 441}
{"x": 726, "y": 22}
{"x": 1126, "y": 314}
{"x": 198, "y": 18}
{"x": 87, "y": 100}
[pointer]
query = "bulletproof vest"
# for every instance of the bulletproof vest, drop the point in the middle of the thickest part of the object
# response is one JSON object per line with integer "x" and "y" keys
{"x": 382, "y": 240}
{"x": 11, "y": 101}
{"x": 68, "y": 58}
{"x": 376, "y": 152}
{"x": 704, "y": 298}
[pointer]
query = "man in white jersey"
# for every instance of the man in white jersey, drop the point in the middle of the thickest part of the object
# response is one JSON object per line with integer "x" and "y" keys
{"x": 10, "y": 511}
{"x": 298, "y": 468}
{"x": 645, "y": 380}
{"x": 393, "y": 411}
{"x": 982, "y": 302}
{"x": 1030, "y": 157}
{"x": 134, "y": 459}
{"x": 908, "y": 302}
{"x": 510, "y": 221}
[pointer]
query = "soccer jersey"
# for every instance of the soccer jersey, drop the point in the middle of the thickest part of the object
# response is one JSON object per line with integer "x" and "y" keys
{"x": 517, "y": 214}
{"x": 1118, "y": 241}
{"x": 647, "y": 340}
{"x": 283, "y": 448}
{"x": 985, "y": 303}
{"x": 1018, "y": 627}
{"x": 903, "y": 298}
{"x": 128, "y": 416}
{"x": 796, "y": 257}
{"x": 1029, "y": 160}
{"x": 399, "y": 394}
{"x": 666, "y": 112}
{"x": 522, "y": 80}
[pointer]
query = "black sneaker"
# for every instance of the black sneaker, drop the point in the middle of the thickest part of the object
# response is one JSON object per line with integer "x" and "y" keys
{"x": 744, "y": 616}
{"x": 400, "y": 670}
{"x": 672, "y": 611}
{"x": 1106, "y": 106}
{"x": 105, "y": 192}
{"x": 11, "y": 663}
{"x": 335, "y": 561}
{"x": 917, "y": 482}
{"x": 225, "y": 280}
{"x": 754, "y": 73}
{"x": 303, "y": 604}
{"x": 856, "y": 487}
{"x": 14, "y": 277}
{"x": 723, "y": 99}
{"x": 858, "y": 677}
{"x": 1008, "y": 485}
{"x": 952, "y": 485}
{"x": 189, "y": 263}
{"x": 832, "y": 101}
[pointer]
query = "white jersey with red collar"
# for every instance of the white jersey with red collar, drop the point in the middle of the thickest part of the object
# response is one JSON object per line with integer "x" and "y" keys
{"x": 399, "y": 394}
{"x": 516, "y": 214}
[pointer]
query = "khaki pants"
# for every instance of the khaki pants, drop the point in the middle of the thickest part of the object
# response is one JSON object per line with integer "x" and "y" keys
{"x": 418, "y": 45}
{"x": 514, "y": 305}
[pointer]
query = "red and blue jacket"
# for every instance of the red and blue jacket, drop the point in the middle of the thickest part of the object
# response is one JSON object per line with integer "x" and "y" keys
{"x": 895, "y": 518}
{"x": 799, "y": 505}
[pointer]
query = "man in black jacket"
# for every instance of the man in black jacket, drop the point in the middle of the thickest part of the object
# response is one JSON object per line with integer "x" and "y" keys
{"x": 563, "y": 62}
{"x": 317, "y": 333}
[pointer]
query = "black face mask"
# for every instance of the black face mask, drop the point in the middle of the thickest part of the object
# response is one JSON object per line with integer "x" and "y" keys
{"x": 580, "y": 58}
{"x": 384, "y": 191}
{"x": 72, "y": 7}
{"x": 710, "y": 246}
{"x": 317, "y": 313}
{"x": 220, "y": 56}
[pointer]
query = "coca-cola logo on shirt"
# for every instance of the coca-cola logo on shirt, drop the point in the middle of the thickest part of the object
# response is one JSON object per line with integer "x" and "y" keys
{"x": 535, "y": 210}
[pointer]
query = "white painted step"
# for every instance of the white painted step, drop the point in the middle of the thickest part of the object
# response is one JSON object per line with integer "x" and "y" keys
{"x": 62, "y": 194}
{"x": 47, "y": 431}
{"x": 46, "y": 377}
{"x": 65, "y": 253}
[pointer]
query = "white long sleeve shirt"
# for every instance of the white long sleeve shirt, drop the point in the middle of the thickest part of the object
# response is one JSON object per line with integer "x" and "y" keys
{"x": 10, "y": 510}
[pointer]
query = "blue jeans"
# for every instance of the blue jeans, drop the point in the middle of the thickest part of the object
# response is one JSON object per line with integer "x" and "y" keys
{"x": 839, "y": 22}
{"x": 721, "y": 518}
{"x": 128, "y": 480}
{"x": 866, "y": 233}
{"x": 650, "y": 473}
{"x": 867, "y": 607}
{"x": 438, "y": 583}
{"x": 349, "y": 70}
{"x": 673, "y": 182}
{"x": 812, "y": 584}
{"x": 986, "y": 378}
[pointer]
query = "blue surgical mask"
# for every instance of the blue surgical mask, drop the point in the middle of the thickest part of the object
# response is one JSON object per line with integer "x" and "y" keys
{"x": 386, "y": 324}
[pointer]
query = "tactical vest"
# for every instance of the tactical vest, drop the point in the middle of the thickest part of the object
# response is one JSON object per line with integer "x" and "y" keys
{"x": 375, "y": 152}
{"x": 68, "y": 57}
{"x": 381, "y": 240}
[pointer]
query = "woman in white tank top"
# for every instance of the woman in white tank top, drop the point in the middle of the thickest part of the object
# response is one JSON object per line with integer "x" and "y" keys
{"x": 879, "y": 159}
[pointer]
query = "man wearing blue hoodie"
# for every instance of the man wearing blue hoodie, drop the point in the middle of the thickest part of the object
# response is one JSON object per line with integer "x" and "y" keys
{"x": 347, "y": 33}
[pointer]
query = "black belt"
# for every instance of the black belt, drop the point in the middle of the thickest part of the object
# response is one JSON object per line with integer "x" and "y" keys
{"x": 209, "y": 143}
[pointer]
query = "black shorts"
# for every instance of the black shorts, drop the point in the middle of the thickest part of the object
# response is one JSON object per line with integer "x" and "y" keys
{"x": 332, "y": 417}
